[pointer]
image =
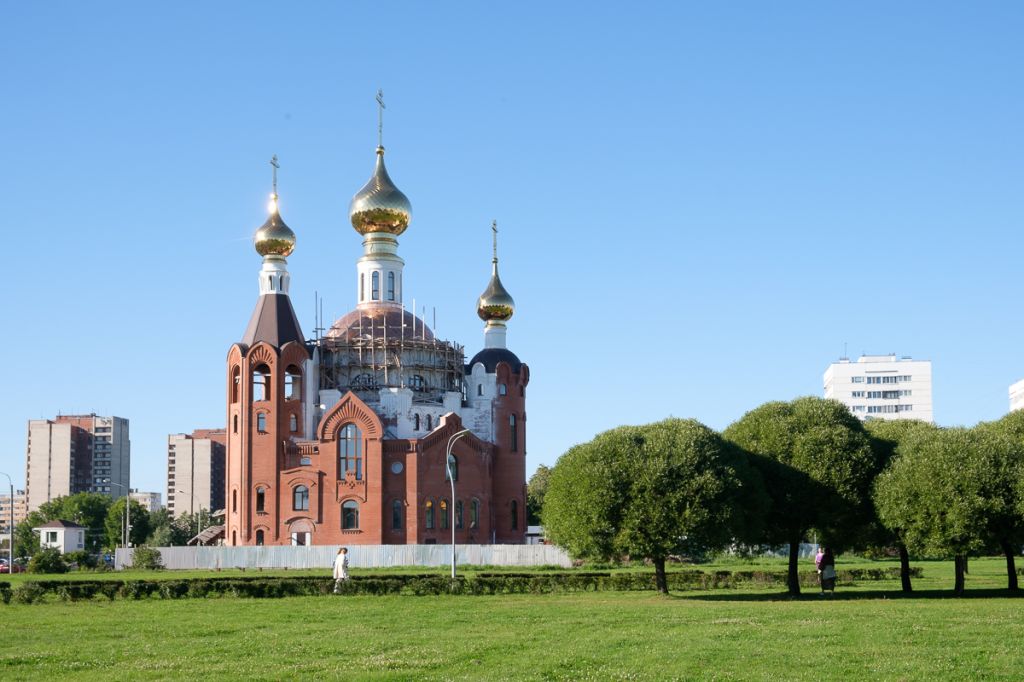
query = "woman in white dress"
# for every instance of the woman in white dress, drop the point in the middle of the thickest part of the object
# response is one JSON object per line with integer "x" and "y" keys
{"x": 340, "y": 568}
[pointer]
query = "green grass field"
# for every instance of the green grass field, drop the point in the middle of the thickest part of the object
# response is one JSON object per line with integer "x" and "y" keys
{"x": 867, "y": 631}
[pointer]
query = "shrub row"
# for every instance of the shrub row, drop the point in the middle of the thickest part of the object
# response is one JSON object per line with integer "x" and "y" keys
{"x": 412, "y": 584}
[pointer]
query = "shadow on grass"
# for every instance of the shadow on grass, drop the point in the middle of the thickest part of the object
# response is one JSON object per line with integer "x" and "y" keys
{"x": 852, "y": 595}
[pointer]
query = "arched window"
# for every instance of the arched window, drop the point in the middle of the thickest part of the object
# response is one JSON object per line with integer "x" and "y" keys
{"x": 236, "y": 424}
{"x": 429, "y": 515}
{"x": 515, "y": 515}
{"x": 300, "y": 498}
{"x": 451, "y": 469}
{"x": 458, "y": 514}
{"x": 234, "y": 500}
{"x": 416, "y": 382}
{"x": 234, "y": 537}
{"x": 397, "y": 512}
{"x": 350, "y": 515}
{"x": 261, "y": 499}
{"x": 261, "y": 422}
{"x": 502, "y": 389}
{"x": 479, "y": 389}
{"x": 415, "y": 422}
{"x": 293, "y": 423}
{"x": 259, "y": 538}
{"x": 261, "y": 383}
{"x": 513, "y": 432}
{"x": 391, "y": 286}
{"x": 430, "y": 423}
{"x": 292, "y": 383}
{"x": 375, "y": 286}
{"x": 444, "y": 514}
{"x": 474, "y": 513}
{"x": 350, "y": 451}
{"x": 236, "y": 382}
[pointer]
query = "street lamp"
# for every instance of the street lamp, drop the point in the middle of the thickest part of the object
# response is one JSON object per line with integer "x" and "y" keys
{"x": 449, "y": 461}
{"x": 127, "y": 503}
{"x": 10, "y": 546}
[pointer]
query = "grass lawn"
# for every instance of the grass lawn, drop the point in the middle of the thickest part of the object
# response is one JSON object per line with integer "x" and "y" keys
{"x": 868, "y": 631}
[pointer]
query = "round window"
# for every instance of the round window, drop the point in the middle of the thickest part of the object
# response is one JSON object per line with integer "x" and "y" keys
{"x": 396, "y": 467}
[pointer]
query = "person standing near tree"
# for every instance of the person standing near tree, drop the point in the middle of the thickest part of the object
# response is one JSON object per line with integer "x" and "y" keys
{"x": 826, "y": 564}
{"x": 340, "y": 568}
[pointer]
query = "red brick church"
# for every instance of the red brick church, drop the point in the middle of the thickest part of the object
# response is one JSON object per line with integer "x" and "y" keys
{"x": 343, "y": 439}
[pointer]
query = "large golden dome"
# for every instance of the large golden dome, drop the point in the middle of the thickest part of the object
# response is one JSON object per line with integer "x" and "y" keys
{"x": 380, "y": 206}
{"x": 495, "y": 304}
{"x": 274, "y": 238}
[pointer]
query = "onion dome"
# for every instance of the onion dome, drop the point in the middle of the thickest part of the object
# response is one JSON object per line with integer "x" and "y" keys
{"x": 274, "y": 238}
{"x": 380, "y": 206}
{"x": 495, "y": 304}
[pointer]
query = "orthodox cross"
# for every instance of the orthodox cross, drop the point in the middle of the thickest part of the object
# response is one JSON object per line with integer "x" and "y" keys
{"x": 494, "y": 229}
{"x": 274, "y": 163}
{"x": 380, "y": 118}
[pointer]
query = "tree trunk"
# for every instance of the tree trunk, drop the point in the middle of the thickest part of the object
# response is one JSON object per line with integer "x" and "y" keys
{"x": 660, "y": 581}
{"x": 959, "y": 562}
{"x": 793, "y": 579}
{"x": 905, "y": 568}
{"x": 1011, "y": 567}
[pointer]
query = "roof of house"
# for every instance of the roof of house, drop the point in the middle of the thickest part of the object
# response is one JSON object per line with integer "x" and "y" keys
{"x": 59, "y": 523}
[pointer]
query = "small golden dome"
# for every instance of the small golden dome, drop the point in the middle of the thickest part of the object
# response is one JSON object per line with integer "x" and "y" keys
{"x": 380, "y": 206}
{"x": 274, "y": 238}
{"x": 495, "y": 304}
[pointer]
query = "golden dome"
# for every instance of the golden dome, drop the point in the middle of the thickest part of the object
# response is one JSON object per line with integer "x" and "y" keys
{"x": 274, "y": 238}
{"x": 495, "y": 304}
{"x": 380, "y": 206}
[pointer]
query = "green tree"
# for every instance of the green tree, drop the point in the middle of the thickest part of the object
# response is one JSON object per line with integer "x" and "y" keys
{"x": 935, "y": 493}
{"x": 167, "y": 531}
{"x": 47, "y": 560}
{"x": 535, "y": 491}
{"x": 85, "y": 509}
{"x": 26, "y": 540}
{"x": 1003, "y": 442}
{"x": 651, "y": 491}
{"x": 817, "y": 464}
{"x": 886, "y": 437}
{"x": 138, "y": 520}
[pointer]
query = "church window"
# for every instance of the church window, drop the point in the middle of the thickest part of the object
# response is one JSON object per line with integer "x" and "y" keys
{"x": 261, "y": 422}
{"x": 300, "y": 498}
{"x": 236, "y": 380}
{"x": 430, "y": 423}
{"x": 415, "y": 422}
{"x": 515, "y": 515}
{"x": 293, "y": 423}
{"x": 261, "y": 497}
{"x": 474, "y": 513}
{"x": 270, "y": 280}
{"x": 234, "y": 537}
{"x": 391, "y": 286}
{"x": 479, "y": 389}
{"x": 375, "y": 286}
{"x": 522, "y": 391}
{"x": 350, "y": 451}
{"x": 261, "y": 383}
{"x": 292, "y": 383}
{"x": 458, "y": 514}
{"x": 444, "y": 514}
{"x": 397, "y": 511}
{"x": 513, "y": 433}
{"x": 502, "y": 389}
{"x": 416, "y": 382}
{"x": 259, "y": 538}
{"x": 429, "y": 516}
{"x": 350, "y": 515}
{"x": 234, "y": 500}
{"x": 452, "y": 470}
{"x": 235, "y": 426}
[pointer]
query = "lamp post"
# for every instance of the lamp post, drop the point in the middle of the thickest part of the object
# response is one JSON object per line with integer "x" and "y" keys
{"x": 449, "y": 461}
{"x": 10, "y": 546}
{"x": 192, "y": 507}
{"x": 127, "y": 503}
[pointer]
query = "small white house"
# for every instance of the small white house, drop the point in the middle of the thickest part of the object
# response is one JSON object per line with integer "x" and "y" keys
{"x": 64, "y": 535}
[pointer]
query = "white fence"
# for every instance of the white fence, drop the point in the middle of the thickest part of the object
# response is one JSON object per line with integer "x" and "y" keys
{"x": 359, "y": 556}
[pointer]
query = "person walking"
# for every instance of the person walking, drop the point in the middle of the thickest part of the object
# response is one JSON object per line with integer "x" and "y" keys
{"x": 826, "y": 564}
{"x": 340, "y": 568}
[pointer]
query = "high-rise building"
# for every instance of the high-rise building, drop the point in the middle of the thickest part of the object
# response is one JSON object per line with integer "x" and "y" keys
{"x": 882, "y": 387}
{"x": 195, "y": 471}
{"x": 75, "y": 454}
{"x": 151, "y": 502}
{"x": 345, "y": 438}
{"x": 1017, "y": 396}
{"x": 20, "y": 510}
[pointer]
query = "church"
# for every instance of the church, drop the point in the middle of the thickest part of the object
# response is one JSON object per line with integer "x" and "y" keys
{"x": 345, "y": 439}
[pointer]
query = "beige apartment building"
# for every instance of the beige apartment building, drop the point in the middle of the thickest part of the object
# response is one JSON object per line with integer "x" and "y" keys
{"x": 195, "y": 471}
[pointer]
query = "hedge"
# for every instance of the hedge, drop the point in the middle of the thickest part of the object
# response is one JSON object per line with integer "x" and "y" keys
{"x": 413, "y": 584}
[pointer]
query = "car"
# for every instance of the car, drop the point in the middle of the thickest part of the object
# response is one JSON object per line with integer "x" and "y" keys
{"x": 18, "y": 568}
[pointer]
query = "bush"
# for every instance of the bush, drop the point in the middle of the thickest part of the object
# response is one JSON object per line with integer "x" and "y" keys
{"x": 27, "y": 593}
{"x": 47, "y": 561}
{"x": 147, "y": 559}
{"x": 80, "y": 559}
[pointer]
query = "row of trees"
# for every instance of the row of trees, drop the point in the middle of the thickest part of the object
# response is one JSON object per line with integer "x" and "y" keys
{"x": 103, "y": 519}
{"x": 677, "y": 487}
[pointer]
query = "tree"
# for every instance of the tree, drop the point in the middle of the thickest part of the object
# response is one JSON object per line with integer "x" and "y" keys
{"x": 535, "y": 491}
{"x": 26, "y": 540}
{"x": 167, "y": 531}
{"x": 817, "y": 464}
{"x": 85, "y": 509}
{"x": 138, "y": 521}
{"x": 651, "y": 491}
{"x": 886, "y": 437}
{"x": 934, "y": 492}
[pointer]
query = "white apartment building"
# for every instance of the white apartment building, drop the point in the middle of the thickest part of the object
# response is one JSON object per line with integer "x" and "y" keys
{"x": 151, "y": 502}
{"x": 195, "y": 471}
{"x": 882, "y": 387}
{"x": 75, "y": 454}
{"x": 1017, "y": 396}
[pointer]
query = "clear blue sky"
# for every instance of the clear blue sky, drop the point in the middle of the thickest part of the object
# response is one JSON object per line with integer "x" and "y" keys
{"x": 700, "y": 203}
